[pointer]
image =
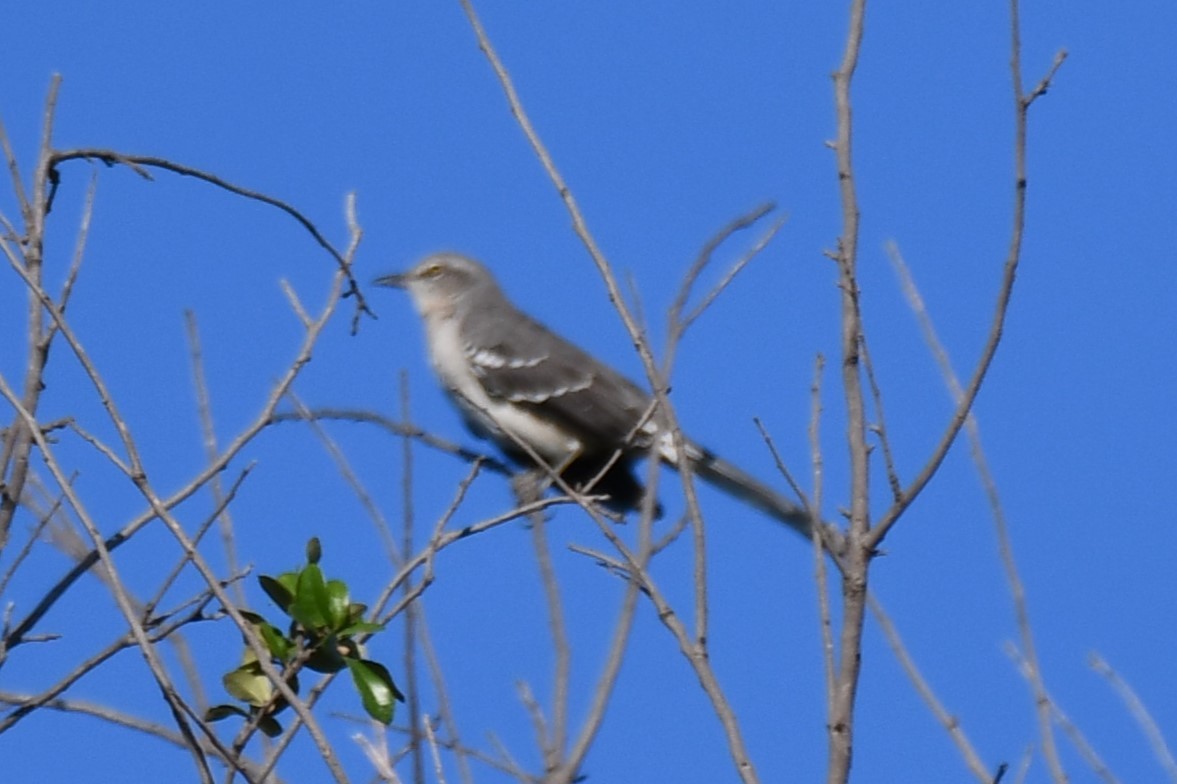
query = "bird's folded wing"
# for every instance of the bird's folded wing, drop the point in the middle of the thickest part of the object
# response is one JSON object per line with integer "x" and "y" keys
{"x": 531, "y": 366}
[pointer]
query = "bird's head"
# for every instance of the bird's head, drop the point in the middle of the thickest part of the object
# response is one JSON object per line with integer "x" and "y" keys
{"x": 440, "y": 282}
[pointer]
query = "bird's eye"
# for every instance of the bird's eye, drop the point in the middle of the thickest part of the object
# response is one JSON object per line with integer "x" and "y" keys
{"x": 432, "y": 271}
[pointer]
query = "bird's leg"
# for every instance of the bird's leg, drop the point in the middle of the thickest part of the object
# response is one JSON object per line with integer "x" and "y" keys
{"x": 537, "y": 480}
{"x": 528, "y": 486}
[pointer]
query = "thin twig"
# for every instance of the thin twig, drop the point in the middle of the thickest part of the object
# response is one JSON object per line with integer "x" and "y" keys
{"x": 552, "y": 740}
{"x": 1064, "y": 721}
{"x": 18, "y": 186}
{"x": 243, "y": 438}
{"x": 438, "y": 771}
{"x": 209, "y": 435}
{"x": 820, "y": 579}
{"x": 694, "y": 651}
{"x": 1022, "y": 104}
{"x": 444, "y": 705}
{"x": 879, "y": 428}
{"x": 1005, "y": 545}
{"x": 777, "y": 460}
{"x": 118, "y": 718}
{"x": 160, "y": 509}
{"x": 140, "y": 163}
{"x": 75, "y": 265}
{"x": 539, "y": 726}
{"x": 88, "y": 665}
{"x": 737, "y": 224}
{"x": 405, "y": 429}
{"x": 1136, "y": 706}
{"x": 579, "y": 225}
{"x": 412, "y": 686}
{"x": 126, "y": 605}
{"x": 949, "y": 722}
{"x": 622, "y": 629}
{"x": 695, "y": 655}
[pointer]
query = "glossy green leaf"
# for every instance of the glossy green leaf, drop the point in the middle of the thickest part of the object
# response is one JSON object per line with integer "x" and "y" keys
{"x": 249, "y": 684}
{"x": 289, "y": 581}
{"x": 278, "y": 592}
{"x": 377, "y": 691}
{"x": 218, "y": 712}
{"x": 361, "y": 627}
{"x": 269, "y": 726}
{"x": 280, "y": 647}
{"x": 311, "y": 605}
{"x": 327, "y": 657}
{"x": 338, "y": 604}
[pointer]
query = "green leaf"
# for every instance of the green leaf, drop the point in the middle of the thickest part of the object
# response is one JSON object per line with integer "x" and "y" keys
{"x": 277, "y": 643}
{"x": 311, "y": 606}
{"x": 314, "y": 550}
{"x": 252, "y": 617}
{"x": 355, "y": 612}
{"x": 361, "y": 627}
{"x": 280, "y": 647}
{"x": 249, "y": 684}
{"x": 289, "y": 581}
{"x": 279, "y": 593}
{"x": 218, "y": 712}
{"x": 270, "y": 726}
{"x": 327, "y": 657}
{"x": 377, "y": 691}
{"x": 338, "y": 603}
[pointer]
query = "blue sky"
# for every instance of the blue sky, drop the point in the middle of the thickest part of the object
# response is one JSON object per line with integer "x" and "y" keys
{"x": 666, "y": 126}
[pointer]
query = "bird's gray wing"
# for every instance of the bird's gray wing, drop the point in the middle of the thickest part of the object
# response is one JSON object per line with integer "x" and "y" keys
{"x": 519, "y": 360}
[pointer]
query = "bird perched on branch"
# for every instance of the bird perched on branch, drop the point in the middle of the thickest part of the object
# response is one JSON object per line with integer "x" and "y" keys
{"x": 536, "y": 395}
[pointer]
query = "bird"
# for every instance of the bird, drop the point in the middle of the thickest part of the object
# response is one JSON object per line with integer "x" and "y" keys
{"x": 535, "y": 394}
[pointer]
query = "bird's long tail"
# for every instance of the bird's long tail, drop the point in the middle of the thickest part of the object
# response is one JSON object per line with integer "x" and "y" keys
{"x": 742, "y": 486}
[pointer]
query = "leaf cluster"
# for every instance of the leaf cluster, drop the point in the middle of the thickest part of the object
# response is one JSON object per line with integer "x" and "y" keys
{"x": 323, "y": 635}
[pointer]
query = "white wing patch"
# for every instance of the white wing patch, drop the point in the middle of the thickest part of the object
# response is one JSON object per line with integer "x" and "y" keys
{"x": 541, "y": 395}
{"x": 486, "y": 358}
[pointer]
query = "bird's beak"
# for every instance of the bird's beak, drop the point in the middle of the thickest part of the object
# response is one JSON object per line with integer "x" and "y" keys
{"x": 396, "y": 280}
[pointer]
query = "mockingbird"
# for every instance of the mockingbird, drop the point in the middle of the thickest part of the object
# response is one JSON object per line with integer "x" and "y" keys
{"x": 518, "y": 383}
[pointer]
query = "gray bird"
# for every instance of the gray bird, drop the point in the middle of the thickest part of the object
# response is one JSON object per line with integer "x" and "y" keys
{"x": 512, "y": 376}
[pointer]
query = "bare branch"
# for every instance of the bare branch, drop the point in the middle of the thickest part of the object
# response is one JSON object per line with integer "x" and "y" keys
{"x": 112, "y": 716}
{"x": 820, "y": 579}
{"x": 1064, "y": 721}
{"x": 28, "y": 264}
{"x": 1140, "y": 712}
{"x": 438, "y": 771}
{"x": 209, "y": 435}
{"x": 738, "y": 224}
{"x": 949, "y": 722}
{"x": 554, "y": 742}
{"x": 579, "y": 225}
{"x": 197, "y": 482}
{"x": 489, "y": 462}
{"x": 1005, "y": 546}
{"x": 412, "y": 616}
{"x": 880, "y": 426}
{"x": 1022, "y": 104}
{"x": 856, "y": 560}
{"x": 140, "y": 163}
